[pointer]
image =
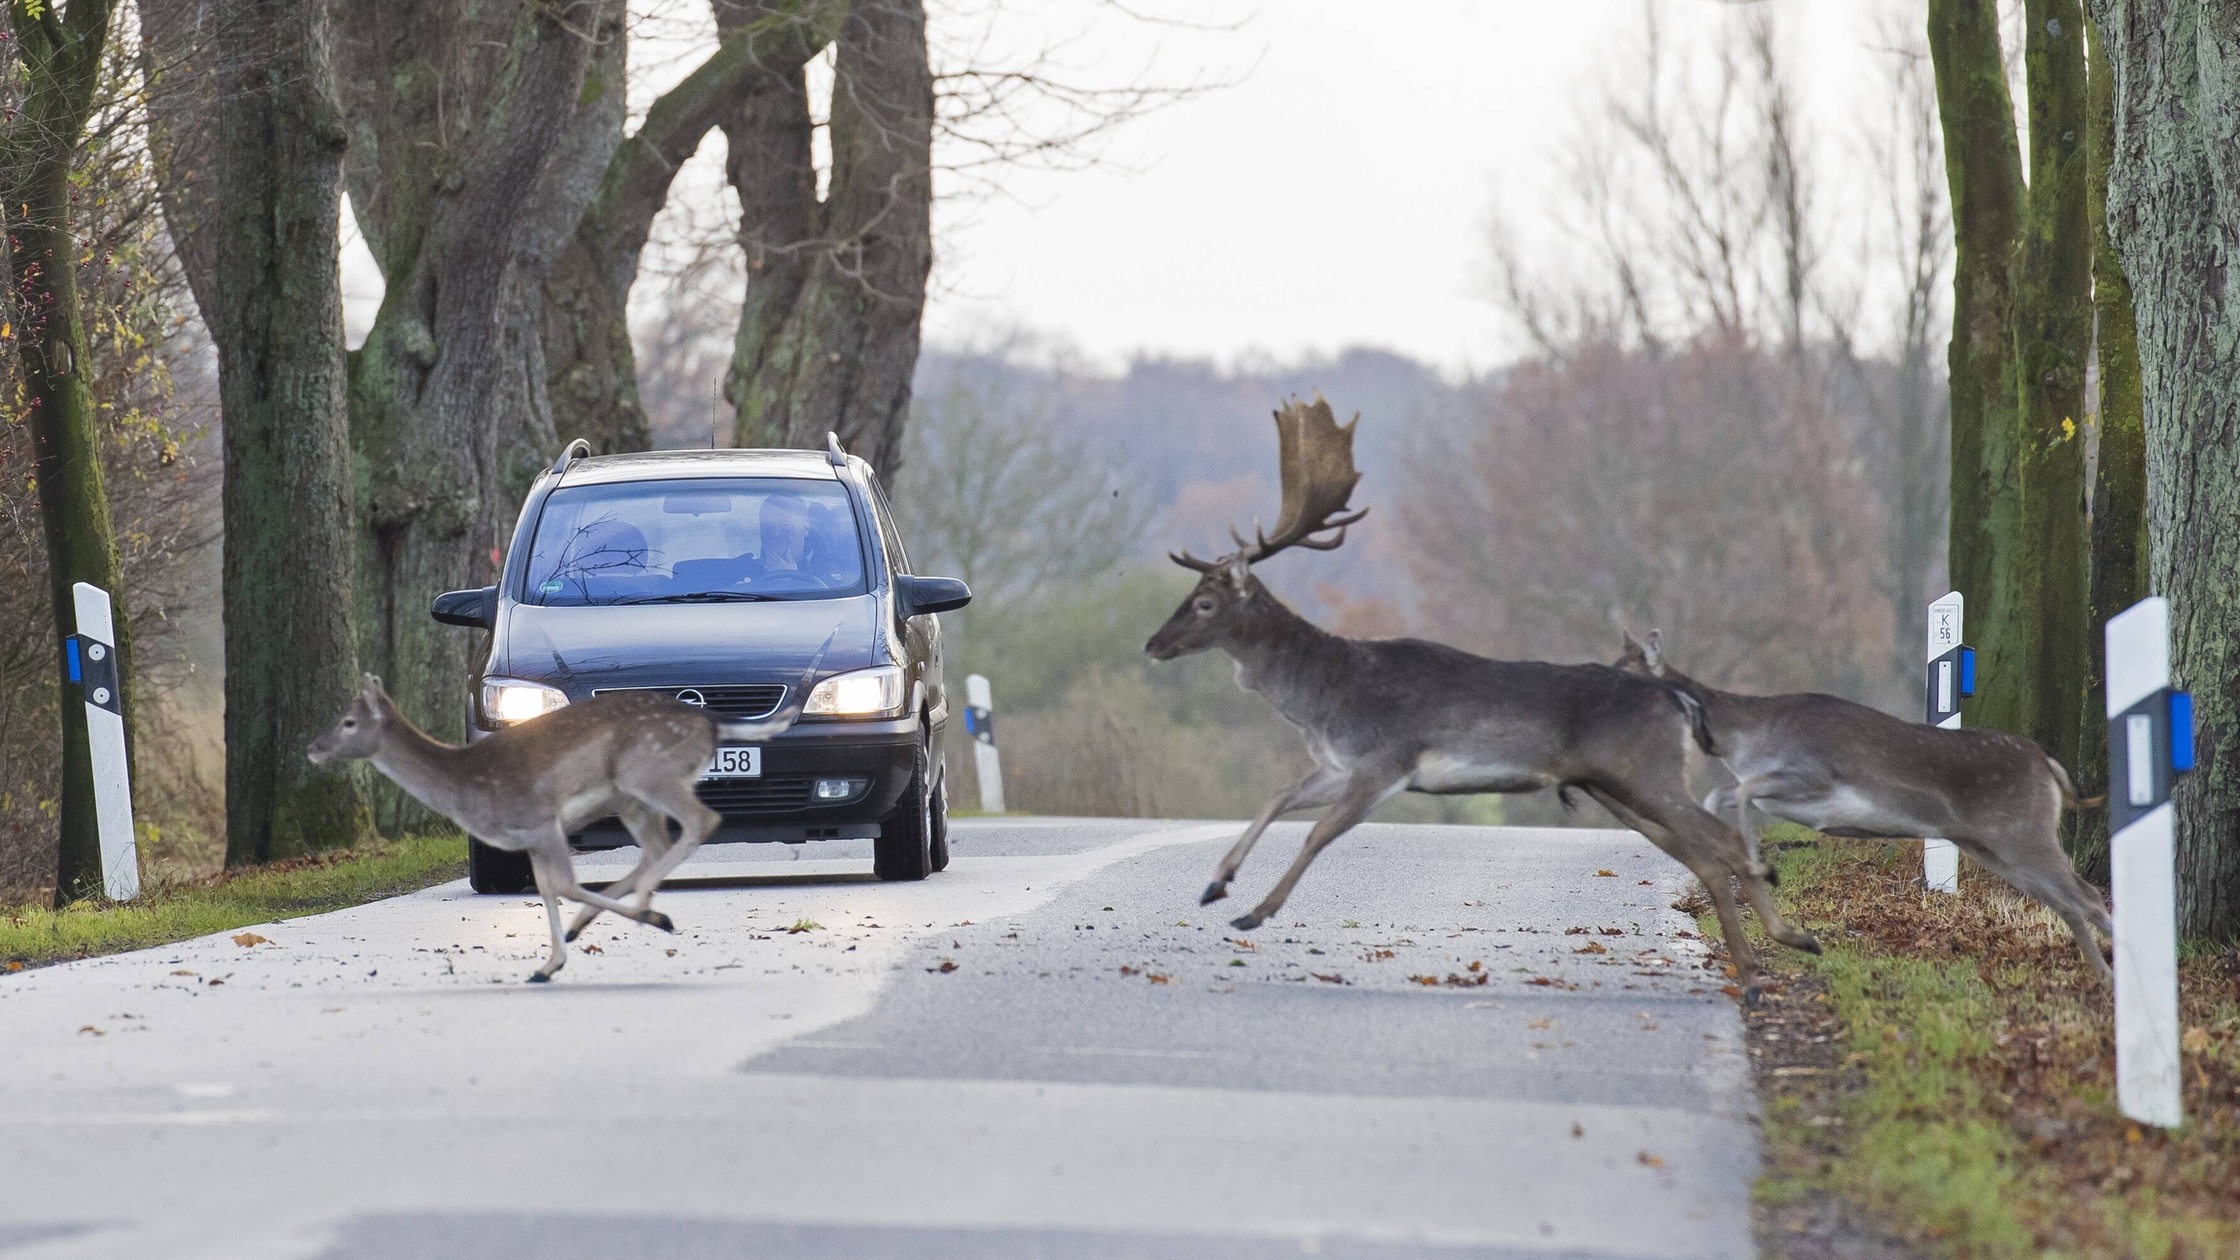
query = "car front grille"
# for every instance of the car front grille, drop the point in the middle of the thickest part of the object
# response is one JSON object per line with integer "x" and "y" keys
{"x": 743, "y": 703}
{"x": 744, "y": 798}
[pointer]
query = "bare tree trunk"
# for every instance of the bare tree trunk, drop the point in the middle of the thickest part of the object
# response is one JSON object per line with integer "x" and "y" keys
{"x": 291, "y": 655}
{"x": 2173, "y": 200}
{"x": 592, "y": 371}
{"x": 2119, "y": 489}
{"x": 2046, "y": 586}
{"x": 828, "y": 337}
{"x": 1983, "y": 162}
{"x": 479, "y": 134}
{"x": 2021, "y": 334}
{"x": 59, "y": 57}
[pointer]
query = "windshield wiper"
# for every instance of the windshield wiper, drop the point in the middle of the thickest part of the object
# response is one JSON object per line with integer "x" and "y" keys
{"x": 702, "y": 597}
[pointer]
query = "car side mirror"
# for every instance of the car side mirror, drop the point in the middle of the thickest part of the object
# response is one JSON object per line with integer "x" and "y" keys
{"x": 477, "y": 608}
{"x": 930, "y": 594}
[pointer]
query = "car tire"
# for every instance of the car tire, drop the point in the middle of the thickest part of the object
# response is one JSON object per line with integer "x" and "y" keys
{"x": 940, "y": 849}
{"x": 492, "y": 870}
{"x": 904, "y": 849}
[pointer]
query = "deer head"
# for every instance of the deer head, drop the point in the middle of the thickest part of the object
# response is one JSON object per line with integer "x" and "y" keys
{"x": 359, "y": 732}
{"x": 1315, "y": 462}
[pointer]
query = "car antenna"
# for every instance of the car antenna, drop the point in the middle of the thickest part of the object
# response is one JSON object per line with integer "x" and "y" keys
{"x": 832, "y": 452}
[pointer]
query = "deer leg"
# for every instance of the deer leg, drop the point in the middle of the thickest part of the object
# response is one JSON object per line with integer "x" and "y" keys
{"x": 652, "y": 834}
{"x": 2045, "y": 876}
{"x": 1321, "y": 786}
{"x": 1758, "y": 867}
{"x": 562, "y": 872}
{"x": 548, "y": 887}
{"x": 1699, "y": 851}
{"x": 1361, "y": 794}
{"x": 695, "y": 823}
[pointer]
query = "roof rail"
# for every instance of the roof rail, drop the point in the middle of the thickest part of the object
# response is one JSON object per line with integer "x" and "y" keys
{"x": 832, "y": 452}
{"x": 577, "y": 449}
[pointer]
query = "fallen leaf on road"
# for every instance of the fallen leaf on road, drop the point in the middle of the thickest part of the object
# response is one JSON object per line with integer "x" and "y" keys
{"x": 1647, "y": 884}
{"x": 1240, "y": 942}
{"x": 804, "y": 925}
{"x": 1236, "y": 962}
{"x": 1650, "y": 1161}
{"x": 1540, "y": 1023}
{"x": 2195, "y": 1040}
{"x": 1477, "y": 965}
{"x": 1576, "y": 1131}
{"x": 592, "y": 949}
{"x": 1618, "y": 931}
{"x": 91, "y": 1029}
{"x": 1730, "y": 990}
{"x": 669, "y": 953}
{"x": 1454, "y": 981}
{"x": 214, "y": 983}
{"x": 13, "y": 965}
{"x": 947, "y": 965}
{"x": 1376, "y": 955}
{"x": 247, "y": 939}
{"x": 1606, "y": 874}
{"x": 1156, "y": 978}
{"x": 1331, "y": 978}
{"x": 1130, "y": 971}
{"x": 1592, "y": 947}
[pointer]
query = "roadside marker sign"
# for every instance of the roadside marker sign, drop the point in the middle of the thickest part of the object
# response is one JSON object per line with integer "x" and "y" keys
{"x": 2150, "y": 743}
{"x": 92, "y": 658}
{"x": 1952, "y": 675}
{"x": 980, "y": 723}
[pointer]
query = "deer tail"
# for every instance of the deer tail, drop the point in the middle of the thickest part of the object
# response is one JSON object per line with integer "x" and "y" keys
{"x": 2069, "y": 795}
{"x": 1689, "y": 696}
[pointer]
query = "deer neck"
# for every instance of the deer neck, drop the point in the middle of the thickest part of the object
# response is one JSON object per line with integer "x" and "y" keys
{"x": 1283, "y": 656}
{"x": 426, "y": 768}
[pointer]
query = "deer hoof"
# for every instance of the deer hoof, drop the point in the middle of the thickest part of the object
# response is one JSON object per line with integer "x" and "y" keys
{"x": 1245, "y": 922}
{"x": 1809, "y": 945}
{"x": 540, "y": 977}
{"x": 570, "y": 935}
{"x": 1772, "y": 876}
{"x": 654, "y": 918}
{"x": 1752, "y": 998}
{"x": 1215, "y": 891}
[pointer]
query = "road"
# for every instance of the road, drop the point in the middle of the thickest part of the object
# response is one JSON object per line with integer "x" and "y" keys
{"x": 1050, "y": 1050}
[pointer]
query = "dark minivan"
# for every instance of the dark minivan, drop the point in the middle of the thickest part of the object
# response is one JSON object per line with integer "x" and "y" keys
{"x": 749, "y": 583}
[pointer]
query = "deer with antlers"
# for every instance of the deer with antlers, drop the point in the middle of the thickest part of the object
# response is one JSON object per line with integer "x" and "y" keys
{"x": 1384, "y": 716}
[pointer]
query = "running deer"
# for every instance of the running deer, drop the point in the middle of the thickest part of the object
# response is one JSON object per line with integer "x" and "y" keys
{"x": 633, "y": 754}
{"x": 1844, "y": 769}
{"x": 1383, "y": 716}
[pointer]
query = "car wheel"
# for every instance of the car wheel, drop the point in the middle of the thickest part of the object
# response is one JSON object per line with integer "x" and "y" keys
{"x": 941, "y": 825}
{"x": 904, "y": 849}
{"x": 492, "y": 870}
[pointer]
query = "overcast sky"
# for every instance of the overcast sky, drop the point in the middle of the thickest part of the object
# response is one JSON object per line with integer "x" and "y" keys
{"x": 1335, "y": 190}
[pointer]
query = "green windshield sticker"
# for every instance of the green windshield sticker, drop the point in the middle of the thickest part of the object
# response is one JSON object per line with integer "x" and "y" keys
{"x": 554, "y": 585}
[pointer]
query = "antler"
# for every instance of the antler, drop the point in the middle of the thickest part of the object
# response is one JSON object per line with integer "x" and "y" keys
{"x": 1315, "y": 456}
{"x": 1315, "y": 460}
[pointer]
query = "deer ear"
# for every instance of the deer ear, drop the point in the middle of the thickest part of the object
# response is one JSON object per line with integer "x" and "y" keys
{"x": 1632, "y": 645}
{"x": 1653, "y": 650}
{"x": 1240, "y": 571}
{"x": 369, "y": 686}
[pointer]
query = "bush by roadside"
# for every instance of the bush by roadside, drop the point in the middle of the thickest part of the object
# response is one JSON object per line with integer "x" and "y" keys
{"x": 1942, "y": 1080}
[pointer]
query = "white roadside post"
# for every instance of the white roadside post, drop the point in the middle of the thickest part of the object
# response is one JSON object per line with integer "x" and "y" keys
{"x": 980, "y": 723}
{"x": 1952, "y": 675}
{"x": 92, "y": 656}
{"x": 2150, "y": 743}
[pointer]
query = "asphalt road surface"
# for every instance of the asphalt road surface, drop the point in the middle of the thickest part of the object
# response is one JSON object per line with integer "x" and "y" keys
{"x": 1050, "y": 1050}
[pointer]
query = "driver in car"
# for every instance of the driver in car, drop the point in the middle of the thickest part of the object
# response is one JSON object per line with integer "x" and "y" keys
{"x": 785, "y": 535}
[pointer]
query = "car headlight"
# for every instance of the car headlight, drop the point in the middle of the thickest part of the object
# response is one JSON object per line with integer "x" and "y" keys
{"x": 864, "y": 693}
{"x": 508, "y": 701}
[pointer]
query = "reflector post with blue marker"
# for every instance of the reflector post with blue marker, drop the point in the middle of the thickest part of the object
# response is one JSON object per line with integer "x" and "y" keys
{"x": 2150, "y": 743}
{"x": 92, "y": 657}
{"x": 1952, "y": 677}
{"x": 980, "y": 723}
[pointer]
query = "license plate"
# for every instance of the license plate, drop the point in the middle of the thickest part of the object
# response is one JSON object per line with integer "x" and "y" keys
{"x": 734, "y": 763}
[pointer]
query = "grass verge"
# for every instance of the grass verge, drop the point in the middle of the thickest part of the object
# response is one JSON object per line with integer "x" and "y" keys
{"x": 31, "y": 936}
{"x": 1943, "y": 1079}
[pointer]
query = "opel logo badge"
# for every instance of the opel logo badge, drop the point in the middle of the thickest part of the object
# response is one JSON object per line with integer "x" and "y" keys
{"x": 693, "y": 698}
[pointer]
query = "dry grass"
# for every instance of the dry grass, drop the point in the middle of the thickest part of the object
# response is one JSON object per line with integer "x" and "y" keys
{"x": 1963, "y": 1100}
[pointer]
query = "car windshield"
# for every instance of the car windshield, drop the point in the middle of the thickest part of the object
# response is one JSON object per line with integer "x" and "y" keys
{"x": 703, "y": 540}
